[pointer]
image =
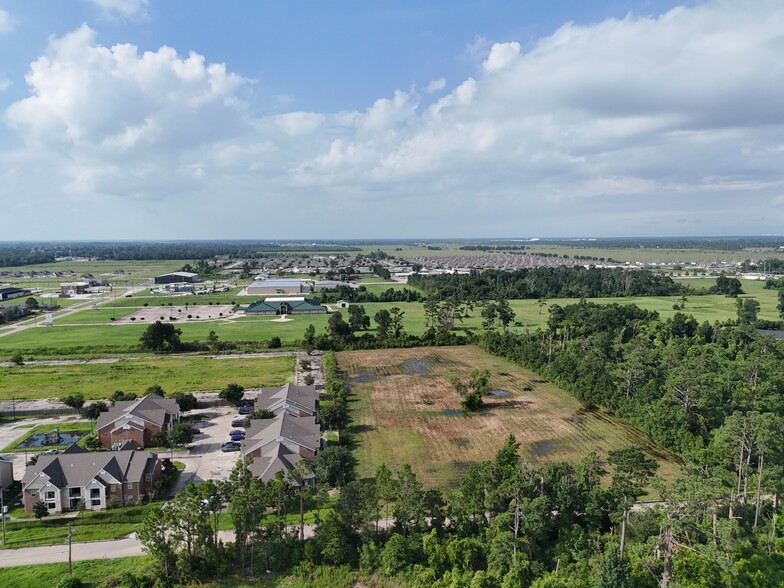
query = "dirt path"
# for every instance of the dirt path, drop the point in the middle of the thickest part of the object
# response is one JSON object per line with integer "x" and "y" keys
{"x": 59, "y": 314}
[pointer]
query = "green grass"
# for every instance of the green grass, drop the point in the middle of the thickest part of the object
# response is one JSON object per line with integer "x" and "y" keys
{"x": 89, "y": 526}
{"x": 93, "y": 572}
{"x": 145, "y": 297}
{"x": 73, "y": 427}
{"x": 173, "y": 374}
{"x": 111, "y": 338}
{"x": 93, "y": 316}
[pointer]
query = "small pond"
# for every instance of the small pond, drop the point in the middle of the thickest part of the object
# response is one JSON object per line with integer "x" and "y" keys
{"x": 48, "y": 439}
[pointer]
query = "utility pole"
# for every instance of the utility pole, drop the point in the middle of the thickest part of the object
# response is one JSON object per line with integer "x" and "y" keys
{"x": 70, "y": 534}
{"x": 3, "y": 510}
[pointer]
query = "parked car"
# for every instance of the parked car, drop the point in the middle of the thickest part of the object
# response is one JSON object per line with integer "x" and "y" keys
{"x": 238, "y": 422}
{"x": 237, "y": 436}
{"x": 226, "y": 447}
{"x": 246, "y": 409}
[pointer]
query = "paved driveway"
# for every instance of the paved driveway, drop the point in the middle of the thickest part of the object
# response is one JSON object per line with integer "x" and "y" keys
{"x": 205, "y": 460}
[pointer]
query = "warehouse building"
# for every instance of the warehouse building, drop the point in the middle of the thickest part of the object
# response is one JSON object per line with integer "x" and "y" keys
{"x": 283, "y": 286}
{"x": 178, "y": 277}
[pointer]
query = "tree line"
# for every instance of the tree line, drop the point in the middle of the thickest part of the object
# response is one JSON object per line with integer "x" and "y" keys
{"x": 557, "y": 282}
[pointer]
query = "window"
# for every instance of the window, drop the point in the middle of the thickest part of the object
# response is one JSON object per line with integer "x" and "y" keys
{"x": 49, "y": 495}
{"x": 95, "y": 492}
{"x": 148, "y": 477}
{"x": 130, "y": 485}
{"x": 114, "y": 488}
{"x": 51, "y": 505}
{"x": 33, "y": 494}
{"x": 95, "y": 502}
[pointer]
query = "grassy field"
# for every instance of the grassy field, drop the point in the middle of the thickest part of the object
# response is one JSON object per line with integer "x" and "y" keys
{"x": 84, "y": 427}
{"x": 631, "y": 254}
{"x": 89, "y": 526}
{"x": 102, "y": 270}
{"x": 406, "y": 411}
{"x": 93, "y": 572}
{"x": 173, "y": 374}
{"x": 140, "y": 299}
{"x": 64, "y": 339}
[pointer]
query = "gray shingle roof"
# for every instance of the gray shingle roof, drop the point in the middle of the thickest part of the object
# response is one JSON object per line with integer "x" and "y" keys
{"x": 273, "y": 398}
{"x": 151, "y": 408}
{"x": 299, "y": 430}
{"x": 78, "y": 469}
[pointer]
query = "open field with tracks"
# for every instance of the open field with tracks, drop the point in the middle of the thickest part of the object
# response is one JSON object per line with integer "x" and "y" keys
{"x": 406, "y": 411}
{"x": 173, "y": 374}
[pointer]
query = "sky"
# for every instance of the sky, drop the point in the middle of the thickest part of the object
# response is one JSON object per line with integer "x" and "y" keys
{"x": 165, "y": 119}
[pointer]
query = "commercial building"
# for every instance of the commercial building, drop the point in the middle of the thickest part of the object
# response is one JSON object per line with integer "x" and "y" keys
{"x": 69, "y": 289}
{"x": 283, "y": 286}
{"x": 10, "y": 293}
{"x": 175, "y": 277}
{"x": 281, "y": 306}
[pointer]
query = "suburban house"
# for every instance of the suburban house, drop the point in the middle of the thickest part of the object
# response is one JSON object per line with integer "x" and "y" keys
{"x": 283, "y": 306}
{"x": 6, "y": 473}
{"x": 279, "y": 443}
{"x": 281, "y": 286}
{"x": 61, "y": 481}
{"x": 294, "y": 400}
{"x": 137, "y": 421}
{"x": 177, "y": 277}
{"x": 10, "y": 293}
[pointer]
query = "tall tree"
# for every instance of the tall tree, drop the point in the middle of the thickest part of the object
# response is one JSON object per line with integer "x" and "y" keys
{"x": 631, "y": 472}
{"x": 161, "y": 337}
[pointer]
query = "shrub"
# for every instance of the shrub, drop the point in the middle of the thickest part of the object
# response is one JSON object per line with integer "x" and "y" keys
{"x": 133, "y": 318}
{"x": 274, "y": 343}
{"x": 69, "y": 582}
{"x": 113, "y": 503}
{"x": 308, "y": 379}
{"x": 17, "y": 359}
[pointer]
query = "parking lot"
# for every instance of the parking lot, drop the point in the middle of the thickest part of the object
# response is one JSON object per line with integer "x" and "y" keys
{"x": 205, "y": 460}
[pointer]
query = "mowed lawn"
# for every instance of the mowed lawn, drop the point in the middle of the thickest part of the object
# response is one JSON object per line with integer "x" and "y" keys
{"x": 88, "y": 336}
{"x": 405, "y": 410}
{"x": 173, "y": 374}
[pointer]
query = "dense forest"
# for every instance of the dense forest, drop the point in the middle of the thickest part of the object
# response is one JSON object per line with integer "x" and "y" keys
{"x": 558, "y": 282}
{"x": 18, "y": 254}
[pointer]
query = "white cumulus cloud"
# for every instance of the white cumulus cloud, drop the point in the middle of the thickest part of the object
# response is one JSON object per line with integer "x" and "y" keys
{"x": 604, "y": 128}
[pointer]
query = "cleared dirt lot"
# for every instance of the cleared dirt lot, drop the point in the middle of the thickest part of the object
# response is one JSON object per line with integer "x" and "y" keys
{"x": 406, "y": 411}
{"x": 183, "y": 314}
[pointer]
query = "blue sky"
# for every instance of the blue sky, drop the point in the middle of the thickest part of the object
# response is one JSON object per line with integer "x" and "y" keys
{"x": 126, "y": 119}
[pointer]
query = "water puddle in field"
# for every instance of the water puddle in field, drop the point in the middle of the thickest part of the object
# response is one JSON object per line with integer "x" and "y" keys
{"x": 544, "y": 447}
{"x": 452, "y": 412}
{"x": 500, "y": 393}
{"x": 414, "y": 367}
{"x": 362, "y": 377}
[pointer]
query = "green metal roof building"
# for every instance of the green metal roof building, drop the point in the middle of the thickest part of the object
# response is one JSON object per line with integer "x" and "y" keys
{"x": 276, "y": 306}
